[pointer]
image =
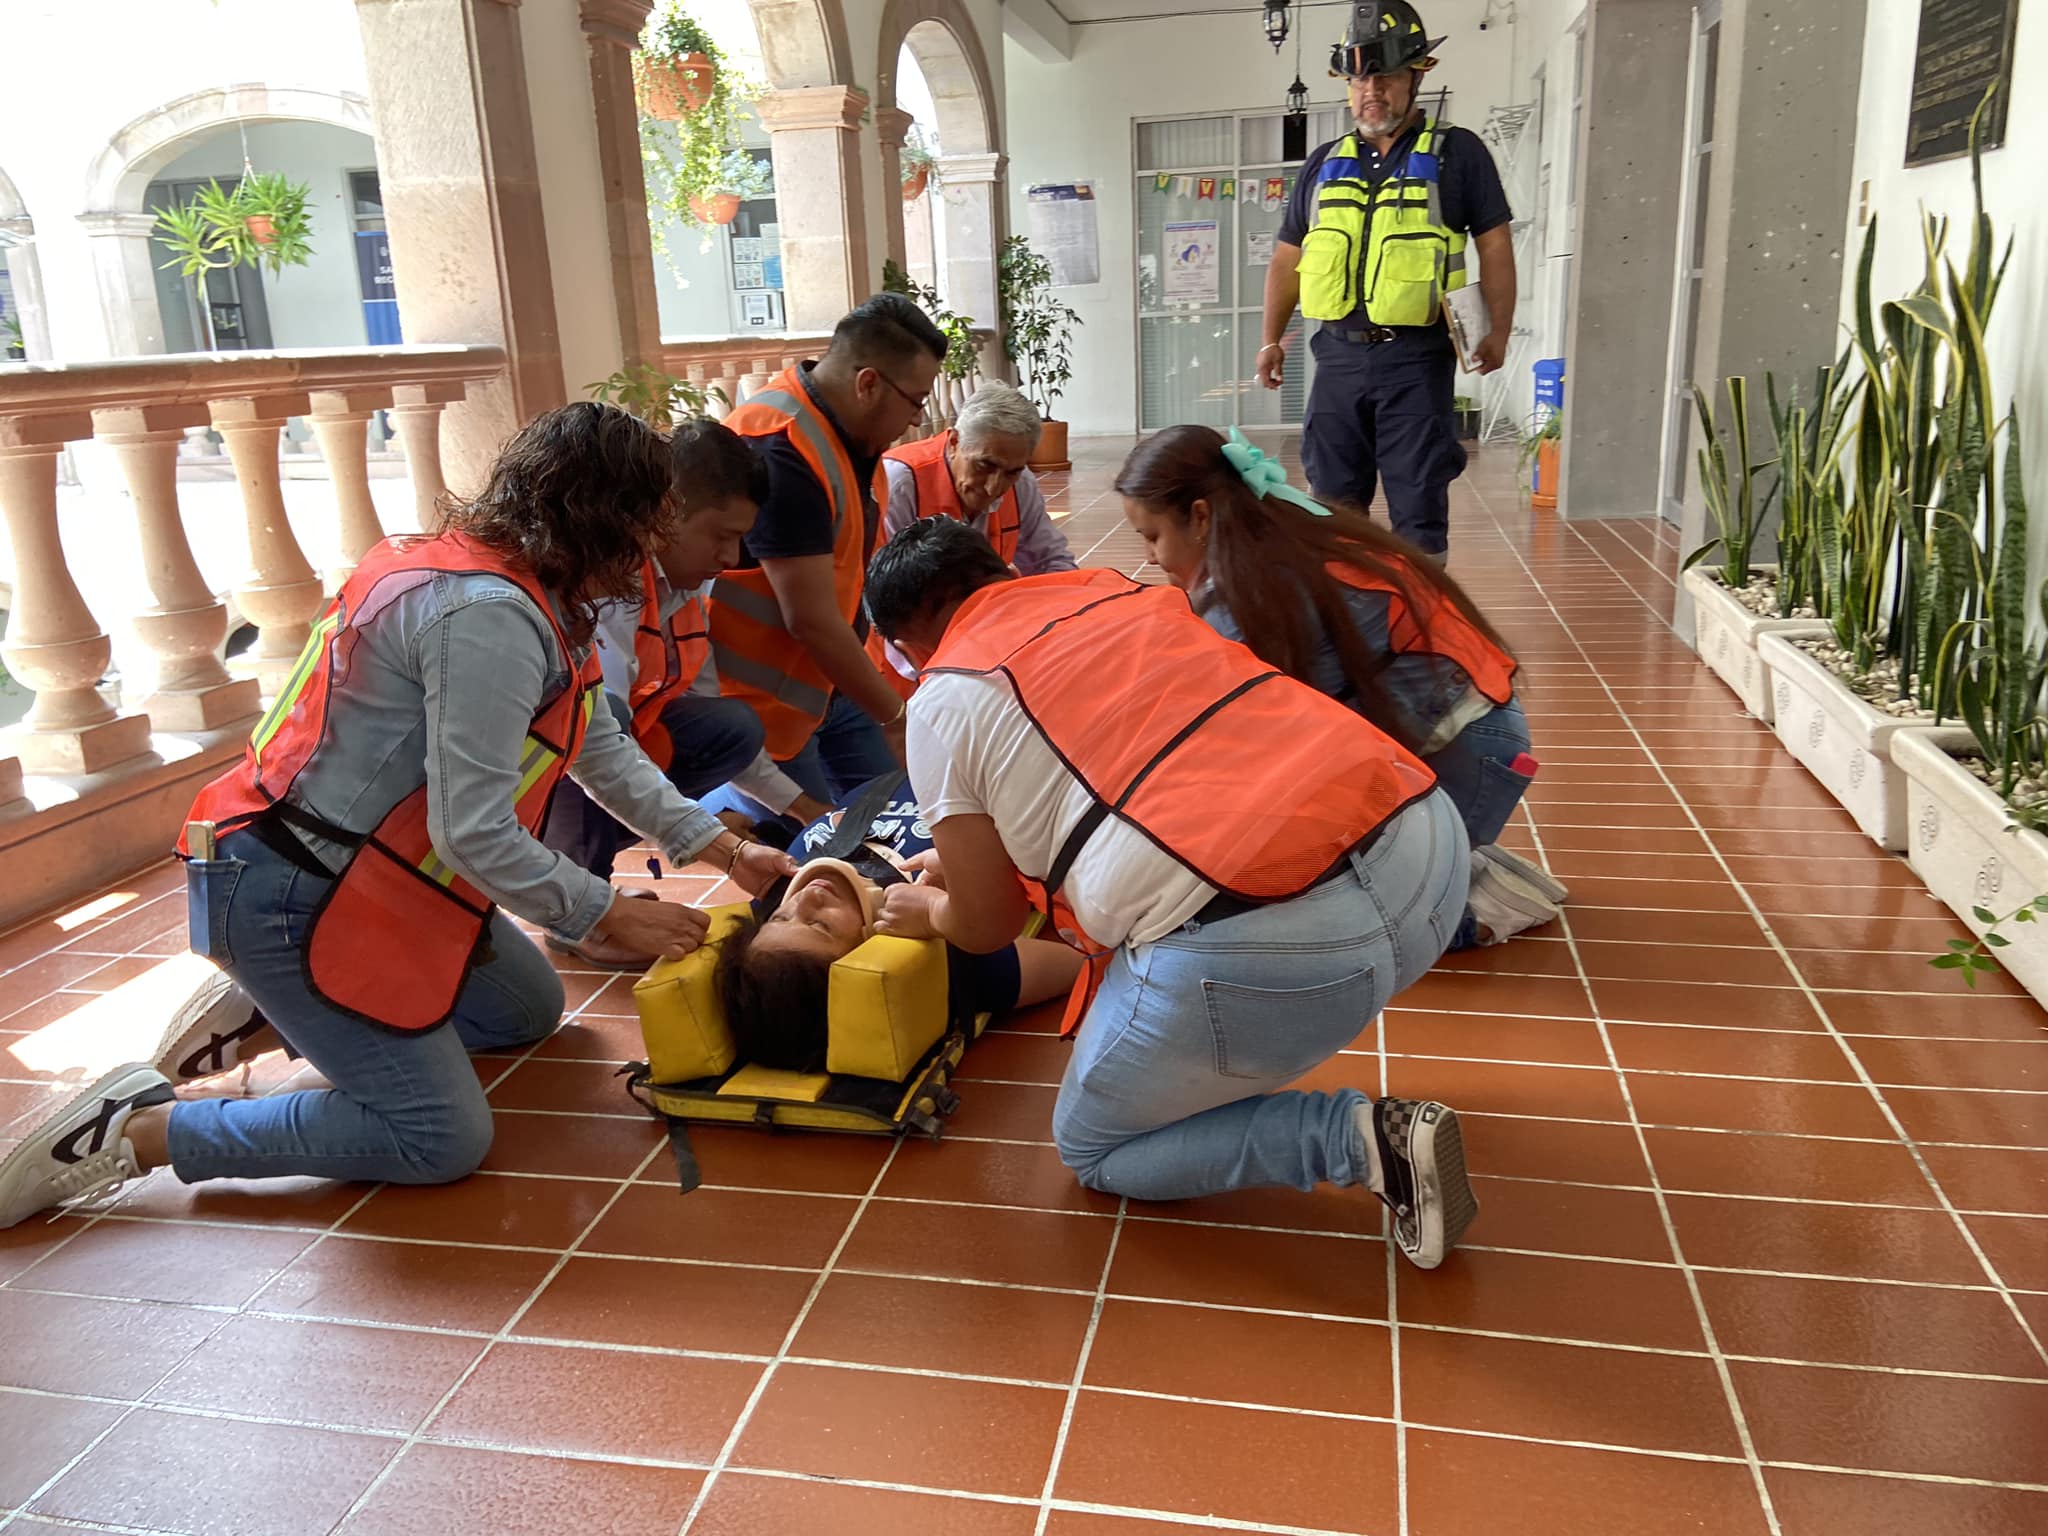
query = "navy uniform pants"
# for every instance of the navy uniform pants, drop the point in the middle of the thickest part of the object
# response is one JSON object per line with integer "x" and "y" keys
{"x": 1382, "y": 411}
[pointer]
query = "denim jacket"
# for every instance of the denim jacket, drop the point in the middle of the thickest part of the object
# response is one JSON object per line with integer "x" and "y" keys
{"x": 442, "y": 687}
{"x": 1433, "y": 697}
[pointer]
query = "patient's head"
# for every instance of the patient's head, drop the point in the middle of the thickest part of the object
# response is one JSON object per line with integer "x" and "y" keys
{"x": 774, "y": 977}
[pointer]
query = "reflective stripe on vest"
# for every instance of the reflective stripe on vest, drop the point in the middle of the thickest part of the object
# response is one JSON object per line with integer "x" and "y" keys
{"x": 937, "y": 496}
{"x": 666, "y": 660}
{"x": 757, "y": 659}
{"x": 397, "y": 934}
{"x": 1435, "y": 626}
{"x": 1383, "y": 247}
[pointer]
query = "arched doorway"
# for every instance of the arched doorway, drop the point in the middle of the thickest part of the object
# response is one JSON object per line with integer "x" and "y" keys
{"x": 939, "y": 40}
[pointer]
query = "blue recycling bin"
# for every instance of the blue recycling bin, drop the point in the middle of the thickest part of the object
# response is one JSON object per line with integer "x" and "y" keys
{"x": 1550, "y": 383}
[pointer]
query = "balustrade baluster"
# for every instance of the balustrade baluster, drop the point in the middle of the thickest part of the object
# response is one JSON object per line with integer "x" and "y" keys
{"x": 341, "y": 420}
{"x": 416, "y": 412}
{"x": 281, "y": 595}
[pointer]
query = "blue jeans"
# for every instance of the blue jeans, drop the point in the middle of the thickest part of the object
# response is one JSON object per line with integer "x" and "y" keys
{"x": 846, "y": 751}
{"x": 1473, "y": 770}
{"x": 404, "y": 1108}
{"x": 714, "y": 739}
{"x": 1170, "y": 1090}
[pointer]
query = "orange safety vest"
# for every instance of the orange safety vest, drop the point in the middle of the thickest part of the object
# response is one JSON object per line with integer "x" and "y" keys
{"x": 399, "y": 932}
{"x": 758, "y": 660}
{"x": 1435, "y": 626}
{"x": 666, "y": 661}
{"x": 938, "y": 497}
{"x": 1191, "y": 724}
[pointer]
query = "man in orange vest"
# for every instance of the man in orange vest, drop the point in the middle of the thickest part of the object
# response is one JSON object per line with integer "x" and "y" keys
{"x": 1253, "y": 870}
{"x": 787, "y": 629}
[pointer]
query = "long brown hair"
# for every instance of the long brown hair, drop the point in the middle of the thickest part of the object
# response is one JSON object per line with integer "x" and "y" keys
{"x": 579, "y": 496}
{"x": 1264, "y": 555}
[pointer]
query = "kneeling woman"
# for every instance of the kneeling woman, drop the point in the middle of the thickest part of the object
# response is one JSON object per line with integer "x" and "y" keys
{"x": 386, "y": 807}
{"x": 1253, "y": 868}
{"x": 1339, "y": 603}
{"x": 774, "y": 977}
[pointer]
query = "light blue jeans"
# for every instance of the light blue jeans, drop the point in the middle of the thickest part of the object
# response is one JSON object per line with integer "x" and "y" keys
{"x": 1474, "y": 771}
{"x": 405, "y": 1108}
{"x": 1170, "y": 1092}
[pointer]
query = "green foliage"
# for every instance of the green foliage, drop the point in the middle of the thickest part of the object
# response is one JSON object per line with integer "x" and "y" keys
{"x": 1732, "y": 500}
{"x": 220, "y": 229}
{"x": 1037, "y": 328}
{"x": 1812, "y": 440}
{"x": 961, "y": 353}
{"x": 14, "y": 346}
{"x": 1971, "y": 956}
{"x": 917, "y": 155}
{"x": 1549, "y": 429}
{"x": 657, "y": 398}
{"x": 698, "y": 155}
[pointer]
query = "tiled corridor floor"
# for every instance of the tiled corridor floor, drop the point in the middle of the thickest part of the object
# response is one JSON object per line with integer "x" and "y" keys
{"x": 1764, "y": 1246}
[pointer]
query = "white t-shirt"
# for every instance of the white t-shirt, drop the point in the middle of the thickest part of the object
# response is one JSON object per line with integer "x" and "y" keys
{"x": 973, "y": 753}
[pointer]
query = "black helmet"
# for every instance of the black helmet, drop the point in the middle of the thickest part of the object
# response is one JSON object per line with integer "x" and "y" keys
{"x": 1384, "y": 38}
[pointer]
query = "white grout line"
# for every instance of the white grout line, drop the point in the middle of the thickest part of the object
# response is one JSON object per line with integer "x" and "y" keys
{"x": 1059, "y": 1444}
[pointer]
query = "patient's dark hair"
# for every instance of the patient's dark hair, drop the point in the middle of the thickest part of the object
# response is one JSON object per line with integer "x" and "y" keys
{"x": 775, "y": 1001}
{"x": 713, "y": 463}
{"x": 930, "y": 564}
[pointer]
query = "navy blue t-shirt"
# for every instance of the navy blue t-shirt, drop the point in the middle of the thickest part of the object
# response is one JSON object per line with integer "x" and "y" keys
{"x": 796, "y": 519}
{"x": 1468, "y": 189}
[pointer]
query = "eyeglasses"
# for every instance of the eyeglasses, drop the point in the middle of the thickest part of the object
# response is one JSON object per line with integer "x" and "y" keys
{"x": 915, "y": 402}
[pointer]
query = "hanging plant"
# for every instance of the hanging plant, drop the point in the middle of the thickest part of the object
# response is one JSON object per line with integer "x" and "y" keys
{"x": 695, "y": 168}
{"x": 262, "y": 223}
{"x": 676, "y": 70}
{"x": 920, "y": 161}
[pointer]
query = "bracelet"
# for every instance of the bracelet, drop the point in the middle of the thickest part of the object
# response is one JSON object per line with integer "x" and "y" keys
{"x": 902, "y": 709}
{"x": 1271, "y": 346}
{"x": 738, "y": 847}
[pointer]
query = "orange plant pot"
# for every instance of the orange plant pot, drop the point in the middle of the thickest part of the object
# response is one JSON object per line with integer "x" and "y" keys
{"x": 670, "y": 89}
{"x": 914, "y": 183}
{"x": 1051, "y": 452}
{"x": 261, "y": 228}
{"x": 1545, "y": 493}
{"x": 721, "y": 208}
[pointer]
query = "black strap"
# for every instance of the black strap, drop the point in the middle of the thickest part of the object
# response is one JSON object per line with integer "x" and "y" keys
{"x": 858, "y": 819}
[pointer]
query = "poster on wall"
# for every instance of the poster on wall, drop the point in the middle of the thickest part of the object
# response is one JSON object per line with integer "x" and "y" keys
{"x": 1063, "y": 231}
{"x": 1964, "y": 48}
{"x": 748, "y": 275}
{"x": 1258, "y": 247}
{"x": 1192, "y": 275}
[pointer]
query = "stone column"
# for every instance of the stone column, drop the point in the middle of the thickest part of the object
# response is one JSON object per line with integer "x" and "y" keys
{"x": 124, "y": 267}
{"x": 892, "y": 127}
{"x": 814, "y": 134}
{"x": 280, "y": 595}
{"x": 341, "y": 420}
{"x": 971, "y": 203}
{"x": 462, "y": 200}
{"x": 1631, "y": 156}
{"x": 53, "y": 643}
{"x": 416, "y": 413}
{"x": 185, "y": 627}
{"x": 613, "y": 27}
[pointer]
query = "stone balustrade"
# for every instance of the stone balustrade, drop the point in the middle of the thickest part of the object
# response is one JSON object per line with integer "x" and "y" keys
{"x": 85, "y": 750}
{"x": 735, "y": 368}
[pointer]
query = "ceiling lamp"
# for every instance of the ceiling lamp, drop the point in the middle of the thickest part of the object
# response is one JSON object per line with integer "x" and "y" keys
{"x": 1297, "y": 98}
{"x": 1276, "y": 23}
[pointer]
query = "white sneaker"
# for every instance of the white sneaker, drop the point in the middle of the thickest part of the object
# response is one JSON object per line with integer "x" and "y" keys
{"x": 1553, "y": 889}
{"x": 78, "y": 1150}
{"x": 1504, "y": 904}
{"x": 214, "y": 1030}
{"x": 1422, "y": 1174}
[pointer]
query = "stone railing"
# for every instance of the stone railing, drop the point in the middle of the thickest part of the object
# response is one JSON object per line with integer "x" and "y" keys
{"x": 738, "y": 367}
{"x": 79, "y": 746}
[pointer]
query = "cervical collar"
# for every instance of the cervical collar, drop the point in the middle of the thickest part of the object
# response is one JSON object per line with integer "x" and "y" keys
{"x": 865, "y": 891}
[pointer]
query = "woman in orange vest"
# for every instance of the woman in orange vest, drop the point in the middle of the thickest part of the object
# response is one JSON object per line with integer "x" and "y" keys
{"x": 347, "y": 873}
{"x": 1332, "y": 599}
{"x": 1253, "y": 870}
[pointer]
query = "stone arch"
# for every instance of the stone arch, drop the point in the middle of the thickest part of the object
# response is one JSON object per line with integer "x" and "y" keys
{"x": 941, "y": 37}
{"x": 803, "y": 43}
{"x": 120, "y": 173}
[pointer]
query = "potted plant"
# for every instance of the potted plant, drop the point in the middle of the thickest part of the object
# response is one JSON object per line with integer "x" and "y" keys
{"x": 739, "y": 177}
{"x": 695, "y": 169}
{"x": 1540, "y": 447}
{"x": 920, "y": 162}
{"x": 1737, "y": 600}
{"x": 962, "y": 360}
{"x": 657, "y": 398}
{"x": 11, "y": 343}
{"x": 263, "y": 222}
{"x": 1038, "y": 340}
{"x": 676, "y": 70}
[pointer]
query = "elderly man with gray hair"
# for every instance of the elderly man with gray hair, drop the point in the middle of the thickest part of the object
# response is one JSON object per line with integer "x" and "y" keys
{"x": 976, "y": 473}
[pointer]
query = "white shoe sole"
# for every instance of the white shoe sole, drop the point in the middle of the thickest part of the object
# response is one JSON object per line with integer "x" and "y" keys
{"x": 1444, "y": 1203}
{"x": 32, "y": 1165}
{"x": 193, "y": 1046}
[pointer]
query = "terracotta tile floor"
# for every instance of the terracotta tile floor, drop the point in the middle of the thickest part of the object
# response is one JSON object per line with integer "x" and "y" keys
{"x": 1765, "y": 1243}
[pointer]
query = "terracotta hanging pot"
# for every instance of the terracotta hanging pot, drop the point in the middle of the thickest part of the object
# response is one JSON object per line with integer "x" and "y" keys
{"x": 262, "y": 229}
{"x": 914, "y": 183}
{"x": 719, "y": 208}
{"x": 673, "y": 88}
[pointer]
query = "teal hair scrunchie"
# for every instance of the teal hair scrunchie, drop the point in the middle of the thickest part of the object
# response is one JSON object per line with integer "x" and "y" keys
{"x": 1264, "y": 474}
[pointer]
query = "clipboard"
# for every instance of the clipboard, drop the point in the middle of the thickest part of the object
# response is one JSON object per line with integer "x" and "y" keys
{"x": 1468, "y": 320}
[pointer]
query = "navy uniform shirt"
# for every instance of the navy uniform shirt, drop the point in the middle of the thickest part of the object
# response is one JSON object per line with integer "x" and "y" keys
{"x": 1469, "y": 190}
{"x": 796, "y": 519}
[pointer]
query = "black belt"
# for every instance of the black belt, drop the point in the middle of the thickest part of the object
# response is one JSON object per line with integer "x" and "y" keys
{"x": 1223, "y": 906}
{"x": 1372, "y": 335}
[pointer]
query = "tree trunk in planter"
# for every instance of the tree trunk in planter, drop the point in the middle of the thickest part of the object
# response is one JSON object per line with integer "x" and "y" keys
{"x": 1726, "y": 634}
{"x": 1051, "y": 452}
{"x": 1961, "y": 841}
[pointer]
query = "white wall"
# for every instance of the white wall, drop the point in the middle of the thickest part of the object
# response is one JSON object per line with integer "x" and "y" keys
{"x": 1072, "y": 121}
{"x": 2012, "y": 196}
{"x": 319, "y": 304}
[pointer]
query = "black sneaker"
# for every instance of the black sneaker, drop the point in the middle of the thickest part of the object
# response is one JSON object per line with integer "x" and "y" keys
{"x": 1422, "y": 1167}
{"x": 78, "y": 1149}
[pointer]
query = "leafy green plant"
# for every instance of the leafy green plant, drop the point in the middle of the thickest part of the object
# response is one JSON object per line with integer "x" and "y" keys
{"x": 1549, "y": 429}
{"x": 917, "y": 155}
{"x": 14, "y": 347}
{"x": 657, "y": 398}
{"x": 1970, "y": 956}
{"x": 263, "y": 222}
{"x": 1812, "y": 440}
{"x": 962, "y": 357}
{"x": 1037, "y": 328}
{"x": 1732, "y": 500}
{"x": 695, "y": 157}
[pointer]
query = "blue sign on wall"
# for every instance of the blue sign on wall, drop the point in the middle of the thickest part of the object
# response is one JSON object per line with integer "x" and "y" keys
{"x": 380, "y": 290}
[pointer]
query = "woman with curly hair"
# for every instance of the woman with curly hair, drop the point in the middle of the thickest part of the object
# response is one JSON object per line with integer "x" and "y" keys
{"x": 346, "y": 874}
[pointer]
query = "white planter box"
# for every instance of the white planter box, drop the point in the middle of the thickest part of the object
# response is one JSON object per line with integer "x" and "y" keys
{"x": 1725, "y": 634}
{"x": 1964, "y": 845}
{"x": 1842, "y": 741}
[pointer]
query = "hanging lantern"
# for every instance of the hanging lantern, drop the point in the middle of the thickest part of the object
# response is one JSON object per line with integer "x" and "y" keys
{"x": 1276, "y": 23}
{"x": 1297, "y": 98}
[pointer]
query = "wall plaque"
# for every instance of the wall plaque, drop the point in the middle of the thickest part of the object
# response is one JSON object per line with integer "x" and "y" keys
{"x": 1964, "y": 47}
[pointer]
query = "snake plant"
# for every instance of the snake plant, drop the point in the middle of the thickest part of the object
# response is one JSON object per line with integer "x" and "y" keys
{"x": 1732, "y": 502}
{"x": 1812, "y": 440}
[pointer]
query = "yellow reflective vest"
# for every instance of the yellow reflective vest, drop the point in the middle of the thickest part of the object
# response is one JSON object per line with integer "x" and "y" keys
{"x": 1385, "y": 247}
